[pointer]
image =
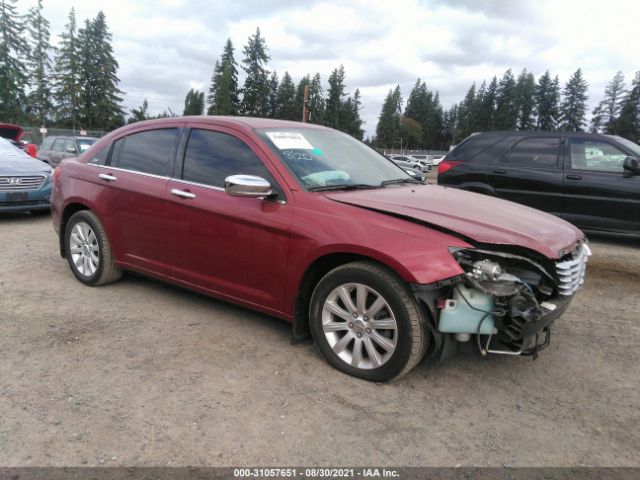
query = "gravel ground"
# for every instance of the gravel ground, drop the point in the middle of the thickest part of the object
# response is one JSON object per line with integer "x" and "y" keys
{"x": 142, "y": 373}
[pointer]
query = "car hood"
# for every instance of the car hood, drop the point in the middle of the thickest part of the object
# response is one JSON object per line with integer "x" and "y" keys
{"x": 481, "y": 218}
{"x": 21, "y": 164}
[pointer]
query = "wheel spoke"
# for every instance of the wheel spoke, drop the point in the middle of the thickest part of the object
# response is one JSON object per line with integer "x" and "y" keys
{"x": 85, "y": 266}
{"x": 92, "y": 238}
{"x": 375, "y": 307}
{"x": 75, "y": 250}
{"x": 78, "y": 261}
{"x": 336, "y": 310}
{"x": 345, "y": 295}
{"x": 94, "y": 259}
{"x": 335, "y": 326}
{"x": 374, "y": 356}
{"x": 357, "y": 353}
{"x": 383, "y": 324}
{"x": 382, "y": 341}
{"x": 361, "y": 298}
{"x": 342, "y": 343}
{"x": 76, "y": 238}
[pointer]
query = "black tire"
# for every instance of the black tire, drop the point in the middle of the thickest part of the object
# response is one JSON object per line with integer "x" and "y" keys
{"x": 106, "y": 271}
{"x": 412, "y": 338}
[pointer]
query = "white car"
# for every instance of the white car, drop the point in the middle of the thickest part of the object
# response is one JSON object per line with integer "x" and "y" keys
{"x": 437, "y": 159}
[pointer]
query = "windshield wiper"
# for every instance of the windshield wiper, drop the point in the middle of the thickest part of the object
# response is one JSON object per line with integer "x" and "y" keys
{"x": 399, "y": 180}
{"x": 345, "y": 186}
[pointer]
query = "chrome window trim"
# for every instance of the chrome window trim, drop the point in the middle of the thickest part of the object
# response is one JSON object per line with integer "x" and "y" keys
{"x": 196, "y": 184}
{"x": 145, "y": 174}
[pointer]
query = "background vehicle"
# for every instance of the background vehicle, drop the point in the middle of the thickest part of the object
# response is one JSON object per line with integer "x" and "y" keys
{"x": 412, "y": 169}
{"x": 25, "y": 183}
{"x": 282, "y": 217}
{"x": 423, "y": 164}
{"x": 54, "y": 149}
{"x": 424, "y": 161}
{"x": 588, "y": 179}
{"x": 19, "y": 138}
{"x": 437, "y": 159}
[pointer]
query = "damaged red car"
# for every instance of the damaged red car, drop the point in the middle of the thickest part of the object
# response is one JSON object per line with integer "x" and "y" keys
{"x": 305, "y": 223}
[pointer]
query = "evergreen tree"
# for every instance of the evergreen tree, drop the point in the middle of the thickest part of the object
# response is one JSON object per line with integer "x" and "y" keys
{"x": 139, "y": 114}
{"x": 628, "y": 123}
{"x": 66, "y": 76}
{"x": 285, "y": 99}
{"x": 467, "y": 112}
{"x": 487, "y": 107}
{"x": 13, "y": 76}
{"x": 418, "y": 108}
{"x": 194, "y": 102}
{"x": 39, "y": 64}
{"x": 411, "y": 132}
{"x": 350, "y": 120}
{"x": 525, "y": 90}
{"x": 255, "y": 100}
{"x": 316, "y": 105}
{"x": 506, "y": 117}
{"x": 547, "y": 96}
{"x": 100, "y": 100}
{"x": 574, "y": 104}
{"x": 606, "y": 113}
{"x": 389, "y": 128}
{"x": 299, "y": 100}
{"x": 335, "y": 96}
{"x": 273, "y": 95}
{"x": 433, "y": 137}
{"x": 223, "y": 96}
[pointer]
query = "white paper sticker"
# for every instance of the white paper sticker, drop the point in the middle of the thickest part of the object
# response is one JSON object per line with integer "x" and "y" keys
{"x": 289, "y": 140}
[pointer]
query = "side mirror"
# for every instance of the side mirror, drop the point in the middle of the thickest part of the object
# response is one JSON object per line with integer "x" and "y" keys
{"x": 247, "y": 186}
{"x": 631, "y": 166}
{"x": 71, "y": 149}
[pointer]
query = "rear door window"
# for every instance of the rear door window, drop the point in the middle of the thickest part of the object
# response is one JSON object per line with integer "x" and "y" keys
{"x": 534, "y": 152}
{"x": 211, "y": 157}
{"x": 151, "y": 151}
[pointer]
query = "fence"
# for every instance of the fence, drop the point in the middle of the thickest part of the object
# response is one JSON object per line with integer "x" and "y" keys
{"x": 37, "y": 136}
{"x": 397, "y": 151}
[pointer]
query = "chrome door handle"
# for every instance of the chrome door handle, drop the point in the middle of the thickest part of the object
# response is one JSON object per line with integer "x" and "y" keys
{"x": 107, "y": 177}
{"x": 182, "y": 193}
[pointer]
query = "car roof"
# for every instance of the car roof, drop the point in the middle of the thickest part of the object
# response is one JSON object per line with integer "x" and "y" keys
{"x": 539, "y": 133}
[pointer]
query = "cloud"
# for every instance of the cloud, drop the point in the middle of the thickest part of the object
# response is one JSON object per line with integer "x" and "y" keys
{"x": 166, "y": 47}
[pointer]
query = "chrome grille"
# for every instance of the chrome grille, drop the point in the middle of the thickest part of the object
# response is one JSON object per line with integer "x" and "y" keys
{"x": 571, "y": 272}
{"x": 17, "y": 182}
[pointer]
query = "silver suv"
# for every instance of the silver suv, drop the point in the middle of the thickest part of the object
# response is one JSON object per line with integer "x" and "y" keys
{"x": 54, "y": 149}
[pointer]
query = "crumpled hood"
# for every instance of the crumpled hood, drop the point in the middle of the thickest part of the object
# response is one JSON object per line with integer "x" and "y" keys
{"x": 479, "y": 217}
{"x": 22, "y": 164}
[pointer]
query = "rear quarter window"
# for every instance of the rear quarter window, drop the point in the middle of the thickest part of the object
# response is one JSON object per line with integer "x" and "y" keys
{"x": 534, "y": 152}
{"x": 472, "y": 146}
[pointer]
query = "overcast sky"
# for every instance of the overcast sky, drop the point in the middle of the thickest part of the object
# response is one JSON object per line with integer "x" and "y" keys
{"x": 166, "y": 47}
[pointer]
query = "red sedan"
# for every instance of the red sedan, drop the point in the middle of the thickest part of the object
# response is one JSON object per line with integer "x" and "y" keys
{"x": 307, "y": 224}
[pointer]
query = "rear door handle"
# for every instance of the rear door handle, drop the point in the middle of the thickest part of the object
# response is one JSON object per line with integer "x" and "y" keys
{"x": 574, "y": 177}
{"x": 107, "y": 177}
{"x": 499, "y": 170}
{"x": 182, "y": 193}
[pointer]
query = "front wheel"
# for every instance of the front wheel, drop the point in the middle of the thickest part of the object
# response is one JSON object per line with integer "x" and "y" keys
{"x": 366, "y": 323}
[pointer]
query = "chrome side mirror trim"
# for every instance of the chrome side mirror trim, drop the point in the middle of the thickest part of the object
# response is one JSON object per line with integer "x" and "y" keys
{"x": 247, "y": 186}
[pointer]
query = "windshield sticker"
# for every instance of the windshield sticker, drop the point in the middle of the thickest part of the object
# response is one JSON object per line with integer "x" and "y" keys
{"x": 317, "y": 152}
{"x": 289, "y": 140}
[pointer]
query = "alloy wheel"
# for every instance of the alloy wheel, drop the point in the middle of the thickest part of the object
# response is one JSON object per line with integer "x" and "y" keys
{"x": 84, "y": 249}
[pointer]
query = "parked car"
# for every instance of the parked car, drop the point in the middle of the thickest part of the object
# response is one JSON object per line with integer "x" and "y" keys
{"x": 54, "y": 149}
{"x": 25, "y": 183}
{"x": 412, "y": 169}
{"x": 588, "y": 179}
{"x": 283, "y": 217}
{"x": 423, "y": 165}
{"x": 425, "y": 161}
{"x": 436, "y": 160}
{"x": 19, "y": 137}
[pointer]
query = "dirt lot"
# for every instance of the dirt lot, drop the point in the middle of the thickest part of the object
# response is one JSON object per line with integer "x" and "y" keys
{"x": 141, "y": 373}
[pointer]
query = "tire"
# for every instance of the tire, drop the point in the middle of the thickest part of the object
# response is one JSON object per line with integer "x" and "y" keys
{"x": 338, "y": 326}
{"x": 92, "y": 263}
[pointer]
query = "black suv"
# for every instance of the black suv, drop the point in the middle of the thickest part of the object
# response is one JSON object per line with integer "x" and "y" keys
{"x": 588, "y": 179}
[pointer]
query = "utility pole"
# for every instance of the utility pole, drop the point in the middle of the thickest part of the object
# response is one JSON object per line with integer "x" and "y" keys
{"x": 305, "y": 109}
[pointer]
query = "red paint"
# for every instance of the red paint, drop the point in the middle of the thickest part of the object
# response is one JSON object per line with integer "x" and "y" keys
{"x": 255, "y": 252}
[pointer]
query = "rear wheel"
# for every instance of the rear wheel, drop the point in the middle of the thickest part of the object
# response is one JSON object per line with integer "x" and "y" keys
{"x": 88, "y": 250}
{"x": 366, "y": 323}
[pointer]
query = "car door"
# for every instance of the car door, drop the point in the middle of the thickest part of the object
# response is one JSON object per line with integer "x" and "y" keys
{"x": 230, "y": 246}
{"x": 55, "y": 155}
{"x": 132, "y": 196}
{"x": 597, "y": 193}
{"x": 70, "y": 149}
{"x": 530, "y": 173}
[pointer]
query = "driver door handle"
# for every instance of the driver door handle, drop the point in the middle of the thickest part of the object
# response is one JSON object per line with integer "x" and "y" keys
{"x": 107, "y": 177}
{"x": 574, "y": 177}
{"x": 182, "y": 193}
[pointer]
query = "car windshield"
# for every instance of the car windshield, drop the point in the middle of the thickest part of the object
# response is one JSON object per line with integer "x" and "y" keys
{"x": 85, "y": 143}
{"x": 327, "y": 159}
{"x": 634, "y": 147}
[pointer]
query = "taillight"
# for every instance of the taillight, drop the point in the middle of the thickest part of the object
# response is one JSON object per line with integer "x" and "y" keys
{"x": 447, "y": 165}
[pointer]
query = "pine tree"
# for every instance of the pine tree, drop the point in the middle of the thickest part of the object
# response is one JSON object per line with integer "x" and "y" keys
{"x": 316, "y": 104}
{"x": 574, "y": 104}
{"x": 139, "y": 114}
{"x": 411, "y": 133}
{"x": 606, "y": 113}
{"x": 223, "y": 96}
{"x": 299, "y": 100}
{"x": 13, "y": 76}
{"x": 418, "y": 107}
{"x": 100, "y": 100}
{"x": 285, "y": 99}
{"x": 350, "y": 120}
{"x": 194, "y": 102}
{"x": 525, "y": 89}
{"x": 273, "y": 95}
{"x": 255, "y": 100}
{"x": 67, "y": 75}
{"x": 335, "y": 97}
{"x": 39, "y": 64}
{"x": 628, "y": 123}
{"x": 487, "y": 107}
{"x": 506, "y": 116}
{"x": 389, "y": 128}
{"x": 467, "y": 112}
{"x": 547, "y": 96}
